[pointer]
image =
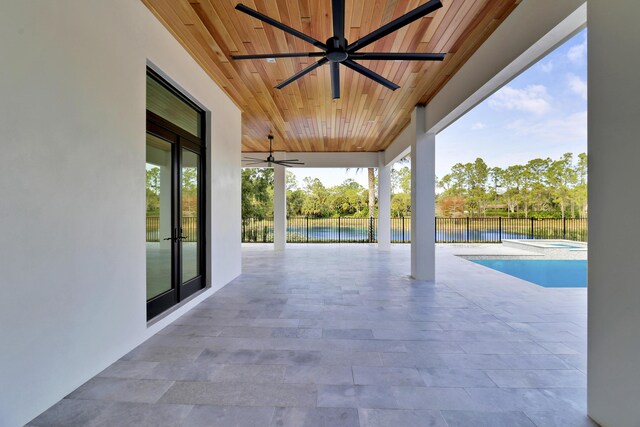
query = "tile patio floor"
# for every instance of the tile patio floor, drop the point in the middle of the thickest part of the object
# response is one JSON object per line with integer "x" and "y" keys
{"x": 338, "y": 335}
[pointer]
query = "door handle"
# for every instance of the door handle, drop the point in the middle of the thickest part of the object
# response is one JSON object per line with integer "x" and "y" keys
{"x": 168, "y": 238}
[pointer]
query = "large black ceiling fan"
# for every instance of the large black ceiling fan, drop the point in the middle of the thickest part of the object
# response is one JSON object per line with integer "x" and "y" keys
{"x": 270, "y": 160}
{"x": 338, "y": 51}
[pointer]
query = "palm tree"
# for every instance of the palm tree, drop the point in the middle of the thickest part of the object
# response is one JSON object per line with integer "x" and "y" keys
{"x": 372, "y": 198}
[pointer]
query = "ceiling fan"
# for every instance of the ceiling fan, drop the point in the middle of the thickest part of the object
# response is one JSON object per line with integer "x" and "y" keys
{"x": 338, "y": 51}
{"x": 270, "y": 160}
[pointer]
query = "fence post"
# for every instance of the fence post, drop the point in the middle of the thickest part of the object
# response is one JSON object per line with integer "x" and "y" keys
{"x": 338, "y": 229}
{"x": 403, "y": 229}
{"x": 532, "y": 228}
{"x": 467, "y": 229}
{"x": 564, "y": 228}
{"x": 370, "y": 229}
{"x": 500, "y": 229}
{"x": 307, "y": 229}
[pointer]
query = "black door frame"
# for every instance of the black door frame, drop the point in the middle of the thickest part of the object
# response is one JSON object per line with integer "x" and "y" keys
{"x": 180, "y": 139}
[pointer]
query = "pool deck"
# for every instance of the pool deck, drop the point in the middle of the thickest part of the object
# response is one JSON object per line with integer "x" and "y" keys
{"x": 339, "y": 335}
{"x": 516, "y": 251}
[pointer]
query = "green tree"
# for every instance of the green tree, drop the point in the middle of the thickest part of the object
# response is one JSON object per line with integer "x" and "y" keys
{"x": 257, "y": 193}
{"x": 401, "y": 180}
{"x": 477, "y": 180}
{"x": 348, "y": 199}
{"x": 401, "y": 204}
{"x": 153, "y": 191}
{"x": 315, "y": 203}
{"x": 562, "y": 177}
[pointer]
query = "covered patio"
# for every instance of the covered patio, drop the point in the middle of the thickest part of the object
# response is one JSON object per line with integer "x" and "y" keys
{"x": 340, "y": 335}
{"x": 293, "y": 335}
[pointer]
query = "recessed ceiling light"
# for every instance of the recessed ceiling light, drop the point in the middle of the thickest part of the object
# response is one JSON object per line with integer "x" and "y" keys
{"x": 272, "y": 60}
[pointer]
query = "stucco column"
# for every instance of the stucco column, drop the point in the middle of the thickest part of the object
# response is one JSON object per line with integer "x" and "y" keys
{"x": 384, "y": 204}
{"x": 614, "y": 236}
{"x": 279, "y": 207}
{"x": 423, "y": 163}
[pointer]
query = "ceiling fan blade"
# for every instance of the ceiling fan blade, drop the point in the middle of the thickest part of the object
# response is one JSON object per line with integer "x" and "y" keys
{"x": 338, "y": 20}
{"x": 286, "y": 164}
{"x": 277, "y": 162}
{"x": 254, "y": 163}
{"x": 370, "y": 74}
{"x": 394, "y": 25}
{"x": 299, "y": 74}
{"x": 398, "y": 56}
{"x": 252, "y": 158}
{"x": 335, "y": 80}
{"x": 264, "y": 18}
{"x": 279, "y": 55}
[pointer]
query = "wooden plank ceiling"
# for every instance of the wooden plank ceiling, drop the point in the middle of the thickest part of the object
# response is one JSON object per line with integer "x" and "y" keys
{"x": 302, "y": 116}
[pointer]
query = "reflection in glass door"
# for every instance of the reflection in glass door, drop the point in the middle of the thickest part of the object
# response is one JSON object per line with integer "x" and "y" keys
{"x": 190, "y": 214}
{"x": 159, "y": 216}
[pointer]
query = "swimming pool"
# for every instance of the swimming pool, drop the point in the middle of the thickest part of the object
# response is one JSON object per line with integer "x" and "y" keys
{"x": 550, "y": 273}
{"x": 564, "y": 245}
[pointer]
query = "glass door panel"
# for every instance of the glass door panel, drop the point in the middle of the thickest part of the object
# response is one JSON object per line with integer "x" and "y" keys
{"x": 190, "y": 214}
{"x": 159, "y": 216}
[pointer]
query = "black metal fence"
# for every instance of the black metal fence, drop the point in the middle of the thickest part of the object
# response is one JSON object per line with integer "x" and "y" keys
{"x": 494, "y": 230}
{"x": 189, "y": 229}
{"x": 448, "y": 230}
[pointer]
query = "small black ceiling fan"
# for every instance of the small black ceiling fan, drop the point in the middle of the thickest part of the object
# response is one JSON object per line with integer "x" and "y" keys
{"x": 338, "y": 51}
{"x": 270, "y": 160}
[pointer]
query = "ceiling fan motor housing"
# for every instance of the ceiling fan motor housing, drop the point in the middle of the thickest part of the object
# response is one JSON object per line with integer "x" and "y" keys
{"x": 336, "y": 52}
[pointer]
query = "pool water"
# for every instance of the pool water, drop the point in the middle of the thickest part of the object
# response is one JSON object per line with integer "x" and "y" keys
{"x": 564, "y": 245}
{"x": 548, "y": 273}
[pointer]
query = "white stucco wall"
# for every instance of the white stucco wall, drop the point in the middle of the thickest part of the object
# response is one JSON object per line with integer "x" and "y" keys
{"x": 614, "y": 206}
{"x": 72, "y": 198}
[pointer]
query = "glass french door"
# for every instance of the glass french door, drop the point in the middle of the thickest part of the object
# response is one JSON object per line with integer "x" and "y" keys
{"x": 174, "y": 195}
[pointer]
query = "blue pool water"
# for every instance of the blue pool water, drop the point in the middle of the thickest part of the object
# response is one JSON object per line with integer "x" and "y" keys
{"x": 564, "y": 245}
{"x": 548, "y": 273}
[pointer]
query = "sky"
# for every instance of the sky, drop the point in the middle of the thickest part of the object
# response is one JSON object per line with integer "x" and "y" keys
{"x": 541, "y": 113}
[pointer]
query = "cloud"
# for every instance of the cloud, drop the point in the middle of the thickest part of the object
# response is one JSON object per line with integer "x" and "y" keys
{"x": 578, "y": 52}
{"x": 478, "y": 126}
{"x": 532, "y": 99}
{"x": 560, "y": 130}
{"x": 546, "y": 67}
{"x": 577, "y": 85}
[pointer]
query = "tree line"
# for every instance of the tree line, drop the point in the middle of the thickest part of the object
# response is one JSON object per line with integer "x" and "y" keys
{"x": 309, "y": 198}
{"x": 540, "y": 188}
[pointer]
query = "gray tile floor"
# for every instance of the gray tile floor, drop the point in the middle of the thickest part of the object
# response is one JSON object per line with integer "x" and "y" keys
{"x": 339, "y": 335}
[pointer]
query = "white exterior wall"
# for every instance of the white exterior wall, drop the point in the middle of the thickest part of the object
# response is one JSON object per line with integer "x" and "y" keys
{"x": 72, "y": 190}
{"x": 614, "y": 203}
